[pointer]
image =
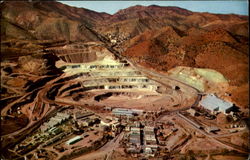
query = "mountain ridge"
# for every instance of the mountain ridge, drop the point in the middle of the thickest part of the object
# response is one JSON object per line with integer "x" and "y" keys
{"x": 130, "y": 21}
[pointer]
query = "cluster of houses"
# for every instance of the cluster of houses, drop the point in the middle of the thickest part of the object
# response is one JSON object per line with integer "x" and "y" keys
{"x": 141, "y": 140}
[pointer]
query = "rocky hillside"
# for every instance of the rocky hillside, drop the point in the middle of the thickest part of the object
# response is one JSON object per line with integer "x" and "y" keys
{"x": 217, "y": 49}
{"x": 135, "y": 20}
{"x": 47, "y": 21}
{"x": 56, "y": 21}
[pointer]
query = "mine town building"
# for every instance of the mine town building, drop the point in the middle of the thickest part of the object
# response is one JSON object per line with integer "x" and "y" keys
{"x": 126, "y": 112}
{"x": 54, "y": 130}
{"x": 58, "y": 119}
{"x": 215, "y": 104}
{"x": 84, "y": 122}
{"x": 113, "y": 124}
{"x": 74, "y": 140}
{"x": 192, "y": 112}
{"x": 133, "y": 150}
{"x": 88, "y": 121}
{"x": 133, "y": 125}
{"x": 212, "y": 129}
{"x": 82, "y": 115}
{"x": 122, "y": 112}
{"x": 135, "y": 136}
{"x": 148, "y": 150}
{"x": 107, "y": 108}
{"x": 149, "y": 138}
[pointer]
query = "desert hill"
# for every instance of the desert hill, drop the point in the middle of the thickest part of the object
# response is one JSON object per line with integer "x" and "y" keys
{"x": 136, "y": 19}
{"x": 47, "y": 21}
{"x": 54, "y": 20}
{"x": 217, "y": 49}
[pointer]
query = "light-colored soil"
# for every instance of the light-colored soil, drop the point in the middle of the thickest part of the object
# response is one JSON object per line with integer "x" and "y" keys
{"x": 202, "y": 79}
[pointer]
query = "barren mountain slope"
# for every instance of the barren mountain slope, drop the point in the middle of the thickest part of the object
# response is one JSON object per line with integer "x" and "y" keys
{"x": 54, "y": 20}
{"x": 216, "y": 49}
{"x": 47, "y": 21}
{"x": 136, "y": 19}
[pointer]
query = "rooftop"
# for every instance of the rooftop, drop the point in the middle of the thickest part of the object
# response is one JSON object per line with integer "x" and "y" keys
{"x": 212, "y": 102}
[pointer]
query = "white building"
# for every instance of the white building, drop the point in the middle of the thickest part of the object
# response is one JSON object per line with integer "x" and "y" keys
{"x": 74, "y": 140}
{"x": 215, "y": 104}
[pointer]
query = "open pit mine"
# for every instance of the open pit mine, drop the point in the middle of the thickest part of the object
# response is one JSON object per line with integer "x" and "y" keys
{"x": 82, "y": 85}
{"x": 95, "y": 79}
{"x": 100, "y": 79}
{"x": 100, "y": 97}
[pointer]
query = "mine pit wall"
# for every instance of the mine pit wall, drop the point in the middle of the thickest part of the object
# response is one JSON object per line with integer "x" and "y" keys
{"x": 84, "y": 66}
{"x": 74, "y": 55}
{"x": 120, "y": 69}
{"x": 119, "y": 87}
{"x": 80, "y": 53}
{"x": 142, "y": 87}
{"x": 65, "y": 88}
{"x": 127, "y": 86}
{"x": 130, "y": 94}
{"x": 132, "y": 80}
{"x": 142, "y": 83}
{"x": 73, "y": 77}
{"x": 79, "y": 57}
{"x": 113, "y": 88}
{"x": 115, "y": 73}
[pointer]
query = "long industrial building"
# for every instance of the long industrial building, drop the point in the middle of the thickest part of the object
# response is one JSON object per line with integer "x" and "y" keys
{"x": 215, "y": 104}
{"x": 74, "y": 140}
{"x": 126, "y": 112}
